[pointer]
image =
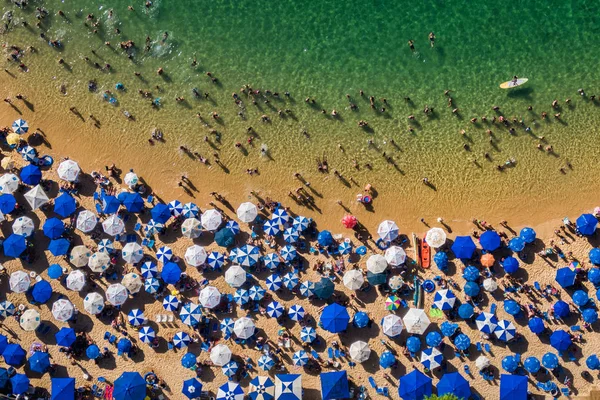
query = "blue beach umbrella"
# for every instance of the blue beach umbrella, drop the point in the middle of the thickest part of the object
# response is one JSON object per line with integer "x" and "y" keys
{"x": 232, "y": 391}
{"x": 6, "y": 310}
{"x": 565, "y": 277}
{"x": 59, "y": 247}
{"x": 274, "y": 282}
{"x": 226, "y": 326}
{"x": 233, "y": 226}
{"x": 129, "y": 386}
{"x": 3, "y": 343}
{"x": 471, "y": 273}
{"x": 334, "y": 385}
{"x": 528, "y": 235}
{"x": 345, "y": 248}
{"x": 290, "y": 280}
{"x": 376, "y": 279}
{"x": 413, "y": 344}
{"x": 288, "y": 253}
{"x": 225, "y": 237}
{"x": 280, "y": 216}
{"x": 241, "y": 297}
{"x": 20, "y": 126}
{"x": 465, "y": 311}
{"x": 65, "y": 337}
{"x": 7, "y": 203}
{"x": 146, "y": 334}
{"x": 190, "y": 314}
{"x": 271, "y": 261}
{"x": 149, "y": 270}
{"x": 123, "y": 346}
{"x": 181, "y": 340}
{"x": 463, "y": 247}
{"x": 512, "y": 307}
{"x": 595, "y": 256}
{"x": 486, "y": 322}
{"x": 92, "y": 352}
{"x": 472, "y": 289}
{"x": 188, "y": 360}
{"x": 590, "y": 315}
{"x": 171, "y": 273}
{"x": 55, "y": 271}
{"x": 532, "y": 365}
{"x": 215, "y": 260}
{"x": 291, "y": 235}
{"x": 160, "y": 213}
{"x": 192, "y": 388}
{"x": 271, "y": 228}
{"x": 265, "y": 362}
{"x": 510, "y": 265}
{"x": 447, "y": 328}
{"x": 516, "y": 244}
{"x": 300, "y": 358}
{"x": 592, "y": 362}
{"x": 110, "y": 204}
{"x": 275, "y": 309}
{"x": 256, "y": 293}
{"x": 19, "y": 383}
{"x": 510, "y": 364}
{"x": 54, "y": 228}
{"x": 13, "y": 354}
{"x": 171, "y": 303}
{"x": 560, "y": 340}
{"x": 414, "y": 386}
{"x": 31, "y": 175}
{"x": 308, "y": 334}
{"x": 462, "y": 342}
{"x": 433, "y": 339}
{"x": 41, "y": 292}
{"x": 151, "y": 285}
{"x": 536, "y": 325}
{"x": 247, "y": 255}
{"x": 325, "y": 239}
{"x": 361, "y": 319}
{"x": 63, "y": 388}
{"x": 489, "y": 240}
{"x": 296, "y": 312}
{"x": 586, "y": 224}
{"x": 387, "y": 359}
{"x": 550, "y": 361}
{"x": 505, "y": 330}
{"x": 133, "y": 202}
{"x": 561, "y": 309}
{"x": 324, "y": 288}
{"x": 580, "y": 298}
{"x": 190, "y": 210}
{"x": 65, "y": 205}
{"x": 334, "y": 318}
{"x": 441, "y": 260}
{"x": 307, "y": 289}
{"x": 39, "y": 362}
{"x": 301, "y": 223}
{"x": 444, "y": 300}
{"x": 454, "y": 384}
{"x": 14, "y": 246}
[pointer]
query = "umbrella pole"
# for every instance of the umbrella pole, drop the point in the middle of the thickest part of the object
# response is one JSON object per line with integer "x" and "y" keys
{"x": 415, "y": 244}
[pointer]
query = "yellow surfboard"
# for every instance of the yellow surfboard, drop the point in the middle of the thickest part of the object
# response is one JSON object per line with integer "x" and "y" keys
{"x": 512, "y": 83}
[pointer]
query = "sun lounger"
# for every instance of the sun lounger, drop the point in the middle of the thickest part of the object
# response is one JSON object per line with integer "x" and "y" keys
{"x": 493, "y": 308}
{"x": 478, "y": 344}
{"x": 112, "y": 339}
{"x": 467, "y": 369}
{"x": 330, "y": 352}
{"x": 170, "y": 318}
{"x": 372, "y": 382}
{"x": 106, "y": 335}
{"x": 487, "y": 347}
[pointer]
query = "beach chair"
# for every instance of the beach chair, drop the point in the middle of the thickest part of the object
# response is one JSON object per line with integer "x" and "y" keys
{"x": 493, "y": 308}
{"x": 150, "y": 199}
{"x": 518, "y": 357}
{"x": 565, "y": 391}
{"x": 170, "y": 318}
{"x": 106, "y": 335}
{"x": 98, "y": 209}
{"x": 383, "y": 391}
{"x": 467, "y": 369}
{"x": 486, "y": 346}
{"x": 170, "y": 345}
{"x": 478, "y": 344}
{"x": 372, "y": 382}
{"x": 576, "y": 328}
{"x": 315, "y": 354}
{"x": 112, "y": 339}
{"x": 336, "y": 352}
{"x": 330, "y": 352}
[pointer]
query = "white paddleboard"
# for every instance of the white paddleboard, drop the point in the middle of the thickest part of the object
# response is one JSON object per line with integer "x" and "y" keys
{"x": 512, "y": 84}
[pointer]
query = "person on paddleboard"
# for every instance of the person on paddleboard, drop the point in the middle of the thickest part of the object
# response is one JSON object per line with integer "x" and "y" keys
{"x": 514, "y": 80}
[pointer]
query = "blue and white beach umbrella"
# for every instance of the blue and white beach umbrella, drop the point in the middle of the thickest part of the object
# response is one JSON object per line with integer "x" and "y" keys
{"x": 234, "y": 226}
{"x": 271, "y": 261}
{"x": 106, "y": 246}
{"x": 431, "y": 358}
{"x": 296, "y": 312}
{"x": 176, "y": 208}
{"x": 230, "y": 391}
{"x": 7, "y": 309}
{"x": 265, "y": 362}
{"x": 256, "y": 293}
{"x": 433, "y": 339}
{"x": 462, "y": 342}
{"x": 146, "y": 334}
{"x": 190, "y": 210}
{"x": 301, "y": 223}
{"x": 188, "y": 360}
{"x": 300, "y": 358}
{"x": 215, "y": 260}
{"x": 247, "y": 255}
{"x": 230, "y": 369}
{"x": 486, "y": 322}
{"x": 345, "y": 248}
{"x": 190, "y": 314}
{"x": 151, "y": 285}
{"x": 149, "y": 270}
{"x": 241, "y": 297}
{"x": 308, "y": 334}
{"x": 28, "y": 153}
{"x": 136, "y": 317}
{"x": 505, "y": 330}
{"x": 164, "y": 254}
{"x": 171, "y": 303}
{"x": 261, "y": 388}
{"x": 274, "y": 282}
{"x": 291, "y": 280}
{"x": 275, "y": 309}
{"x": 181, "y": 340}
{"x": 307, "y": 288}
{"x": 444, "y": 300}
{"x": 153, "y": 227}
{"x": 280, "y": 216}
{"x": 227, "y": 326}
{"x": 20, "y": 126}
{"x": 291, "y": 235}
{"x": 271, "y": 228}
{"x": 288, "y": 253}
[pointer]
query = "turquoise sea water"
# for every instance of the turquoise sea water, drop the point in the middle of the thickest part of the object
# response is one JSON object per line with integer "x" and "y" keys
{"x": 327, "y": 49}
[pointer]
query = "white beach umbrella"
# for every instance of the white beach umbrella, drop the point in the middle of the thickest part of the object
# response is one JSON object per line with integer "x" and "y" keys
{"x": 23, "y": 226}
{"x": 360, "y": 351}
{"x": 388, "y": 230}
{"x": 116, "y": 294}
{"x": 9, "y": 183}
{"x": 220, "y": 355}
{"x": 86, "y": 221}
{"x": 131, "y": 179}
{"x": 482, "y": 362}
{"x": 235, "y": 276}
{"x": 93, "y": 303}
{"x": 392, "y": 325}
{"x": 99, "y": 261}
{"x": 132, "y": 253}
{"x": 210, "y": 297}
{"x": 191, "y": 228}
{"x": 113, "y": 225}
{"x": 132, "y": 282}
{"x": 76, "y": 280}
{"x": 395, "y": 255}
{"x": 376, "y": 263}
{"x": 68, "y": 170}
{"x": 416, "y": 321}
{"x": 436, "y": 237}
{"x": 354, "y": 279}
{"x": 36, "y": 197}
{"x": 195, "y": 255}
{"x": 211, "y": 219}
{"x": 19, "y": 281}
{"x": 490, "y": 284}
{"x": 62, "y": 310}
{"x": 80, "y": 255}
{"x": 244, "y": 328}
{"x": 247, "y": 212}
{"x": 30, "y": 320}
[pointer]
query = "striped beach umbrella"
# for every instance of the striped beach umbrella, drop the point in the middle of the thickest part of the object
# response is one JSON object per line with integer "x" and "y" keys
{"x": 307, "y": 288}
{"x": 274, "y": 282}
{"x": 190, "y": 314}
{"x": 146, "y": 334}
{"x": 265, "y": 362}
{"x": 247, "y": 255}
{"x": 271, "y": 261}
{"x": 296, "y": 312}
{"x": 215, "y": 260}
{"x": 301, "y": 223}
{"x": 241, "y": 297}
{"x": 505, "y": 330}
{"x": 151, "y": 285}
{"x": 300, "y": 358}
{"x": 290, "y": 280}
{"x": 106, "y": 246}
{"x": 431, "y": 358}
{"x": 486, "y": 322}
{"x": 233, "y": 226}
{"x": 345, "y": 248}
{"x": 136, "y": 317}
{"x": 291, "y": 235}
{"x": 280, "y": 216}
{"x": 190, "y": 210}
{"x": 271, "y": 228}
{"x": 444, "y": 300}
{"x": 164, "y": 254}
{"x": 256, "y": 293}
{"x": 7, "y": 309}
{"x": 175, "y": 207}
{"x": 308, "y": 334}
{"x": 392, "y": 303}
{"x": 230, "y": 369}
{"x": 230, "y": 391}
{"x": 171, "y": 303}
{"x": 153, "y": 227}
{"x": 20, "y": 126}
{"x": 29, "y": 154}
{"x": 288, "y": 253}
{"x": 181, "y": 340}
{"x": 149, "y": 270}
{"x": 275, "y": 309}
{"x": 226, "y": 326}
